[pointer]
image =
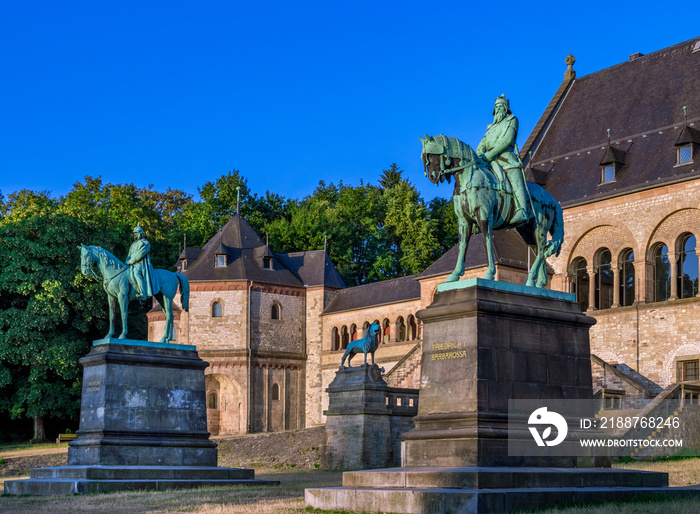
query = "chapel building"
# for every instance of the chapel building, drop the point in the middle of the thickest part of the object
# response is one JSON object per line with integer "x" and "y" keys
{"x": 620, "y": 150}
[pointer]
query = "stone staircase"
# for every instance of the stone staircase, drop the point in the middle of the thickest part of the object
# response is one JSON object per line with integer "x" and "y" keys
{"x": 406, "y": 372}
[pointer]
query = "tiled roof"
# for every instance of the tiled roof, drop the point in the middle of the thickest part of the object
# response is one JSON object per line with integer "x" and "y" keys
{"x": 641, "y": 101}
{"x": 312, "y": 268}
{"x": 508, "y": 247}
{"x": 245, "y": 249}
{"x": 377, "y": 293}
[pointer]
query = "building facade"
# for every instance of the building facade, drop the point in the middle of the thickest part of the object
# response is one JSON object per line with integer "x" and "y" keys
{"x": 620, "y": 150}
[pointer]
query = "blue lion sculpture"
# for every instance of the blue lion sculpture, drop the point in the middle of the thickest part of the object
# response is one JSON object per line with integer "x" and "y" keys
{"x": 367, "y": 344}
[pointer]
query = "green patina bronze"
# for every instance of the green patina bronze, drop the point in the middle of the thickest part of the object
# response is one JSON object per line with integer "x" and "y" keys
{"x": 491, "y": 193}
{"x": 135, "y": 279}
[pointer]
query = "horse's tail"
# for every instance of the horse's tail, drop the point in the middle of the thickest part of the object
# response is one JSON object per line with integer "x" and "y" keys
{"x": 184, "y": 291}
{"x": 557, "y": 232}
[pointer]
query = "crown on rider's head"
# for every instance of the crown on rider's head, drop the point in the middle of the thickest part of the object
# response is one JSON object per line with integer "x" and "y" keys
{"x": 502, "y": 100}
{"x": 138, "y": 228}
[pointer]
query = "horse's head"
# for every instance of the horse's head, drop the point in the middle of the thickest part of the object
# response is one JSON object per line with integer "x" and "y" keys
{"x": 433, "y": 148}
{"x": 87, "y": 259}
{"x": 443, "y": 156}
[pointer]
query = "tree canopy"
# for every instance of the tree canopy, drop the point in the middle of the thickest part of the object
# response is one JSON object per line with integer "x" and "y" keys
{"x": 49, "y": 311}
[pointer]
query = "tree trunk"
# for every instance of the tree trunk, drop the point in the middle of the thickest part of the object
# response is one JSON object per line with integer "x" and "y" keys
{"x": 39, "y": 435}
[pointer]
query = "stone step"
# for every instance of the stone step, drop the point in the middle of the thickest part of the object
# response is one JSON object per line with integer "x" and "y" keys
{"x": 142, "y": 473}
{"x": 503, "y": 478}
{"x": 44, "y": 487}
{"x": 467, "y": 501}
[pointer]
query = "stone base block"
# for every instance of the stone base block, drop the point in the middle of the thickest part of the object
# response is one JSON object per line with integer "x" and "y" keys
{"x": 492, "y": 489}
{"x": 66, "y": 480}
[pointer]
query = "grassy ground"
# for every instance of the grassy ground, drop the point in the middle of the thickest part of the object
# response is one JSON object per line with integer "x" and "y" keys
{"x": 289, "y": 496}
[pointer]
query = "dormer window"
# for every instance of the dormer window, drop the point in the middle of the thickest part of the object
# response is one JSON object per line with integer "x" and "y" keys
{"x": 685, "y": 154}
{"x": 610, "y": 165}
{"x": 267, "y": 263}
{"x": 220, "y": 261}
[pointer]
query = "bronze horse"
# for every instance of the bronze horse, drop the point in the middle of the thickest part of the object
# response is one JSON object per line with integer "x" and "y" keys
{"x": 482, "y": 205}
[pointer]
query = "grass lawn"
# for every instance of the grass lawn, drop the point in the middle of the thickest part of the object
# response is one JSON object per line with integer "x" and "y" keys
{"x": 289, "y": 496}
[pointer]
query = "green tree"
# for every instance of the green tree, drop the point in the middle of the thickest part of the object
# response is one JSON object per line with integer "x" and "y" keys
{"x": 391, "y": 177}
{"x": 445, "y": 228}
{"x": 24, "y": 204}
{"x": 49, "y": 312}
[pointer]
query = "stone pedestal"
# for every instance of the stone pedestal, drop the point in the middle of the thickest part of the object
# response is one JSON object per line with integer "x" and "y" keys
{"x": 365, "y": 419}
{"x": 484, "y": 346}
{"x": 142, "y": 426}
{"x": 142, "y": 406}
{"x": 485, "y": 343}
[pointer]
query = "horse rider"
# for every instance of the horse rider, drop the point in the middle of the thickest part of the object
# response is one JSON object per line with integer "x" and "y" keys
{"x": 498, "y": 148}
{"x": 141, "y": 273}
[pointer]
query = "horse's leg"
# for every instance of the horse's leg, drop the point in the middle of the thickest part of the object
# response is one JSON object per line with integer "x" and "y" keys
{"x": 485, "y": 225}
{"x": 168, "y": 310}
{"x": 123, "y": 293}
{"x": 532, "y": 273}
{"x": 112, "y": 307}
{"x": 465, "y": 232}
{"x": 540, "y": 266}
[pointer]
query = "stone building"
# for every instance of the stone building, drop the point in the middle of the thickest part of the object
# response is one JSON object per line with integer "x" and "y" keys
{"x": 254, "y": 316}
{"x": 620, "y": 150}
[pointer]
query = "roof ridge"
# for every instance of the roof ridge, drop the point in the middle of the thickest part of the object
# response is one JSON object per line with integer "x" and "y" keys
{"x": 655, "y": 54}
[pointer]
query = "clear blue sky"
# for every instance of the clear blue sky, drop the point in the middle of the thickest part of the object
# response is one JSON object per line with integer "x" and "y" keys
{"x": 178, "y": 93}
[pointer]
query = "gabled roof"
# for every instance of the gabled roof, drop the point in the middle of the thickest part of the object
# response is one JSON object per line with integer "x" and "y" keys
{"x": 313, "y": 268}
{"x": 377, "y": 293}
{"x": 641, "y": 101}
{"x": 508, "y": 247}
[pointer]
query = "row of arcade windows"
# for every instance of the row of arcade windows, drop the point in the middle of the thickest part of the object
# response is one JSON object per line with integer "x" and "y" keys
{"x": 407, "y": 330}
{"x": 213, "y": 398}
{"x": 603, "y": 290}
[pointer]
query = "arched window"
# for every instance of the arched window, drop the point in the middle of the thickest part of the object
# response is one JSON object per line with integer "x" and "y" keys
{"x": 580, "y": 285}
{"x": 412, "y": 329}
{"x": 353, "y": 332}
{"x": 604, "y": 279}
{"x": 335, "y": 339}
{"x": 662, "y": 273}
{"x": 213, "y": 401}
{"x": 400, "y": 329}
{"x": 275, "y": 392}
{"x": 626, "y": 264}
{"x": 387, "y": 330}
{"x": 687, "y": 267}
{"x": 345, "y": 337}
{"x": 217, "y": 310}
{"x": 276, "y": 311}
{"x": 365, "y": 327}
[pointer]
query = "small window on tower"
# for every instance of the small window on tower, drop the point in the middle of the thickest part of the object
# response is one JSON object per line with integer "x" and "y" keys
{"x": 220, "y": 261}
{"x": 267, "y": 262}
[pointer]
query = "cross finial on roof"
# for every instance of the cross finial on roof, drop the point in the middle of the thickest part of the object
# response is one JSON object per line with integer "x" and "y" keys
{"x": 685, "y": 115}
{"x": 325, "y": 243}
{"x": 267, "y": 239}
{"x": 570, "y": 73}
{"x": 238, "y": 199}
{"x": 608, "y": 137}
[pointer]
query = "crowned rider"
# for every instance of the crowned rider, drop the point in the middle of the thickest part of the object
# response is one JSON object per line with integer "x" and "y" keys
{"x": 499, "y": 149}
{"x": 141, "y": 273}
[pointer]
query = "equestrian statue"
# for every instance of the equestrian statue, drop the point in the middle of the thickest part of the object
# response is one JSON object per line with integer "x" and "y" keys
{"x": 491, "y": 193}
{"x": 135, "y": 279}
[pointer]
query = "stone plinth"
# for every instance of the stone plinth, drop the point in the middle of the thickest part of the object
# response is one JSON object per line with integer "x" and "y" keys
{"x": 142, "y": 406}
{"x": 484, "y": 345}
{"x": 143, "y": 425}
{"x": 365, "y": 419}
